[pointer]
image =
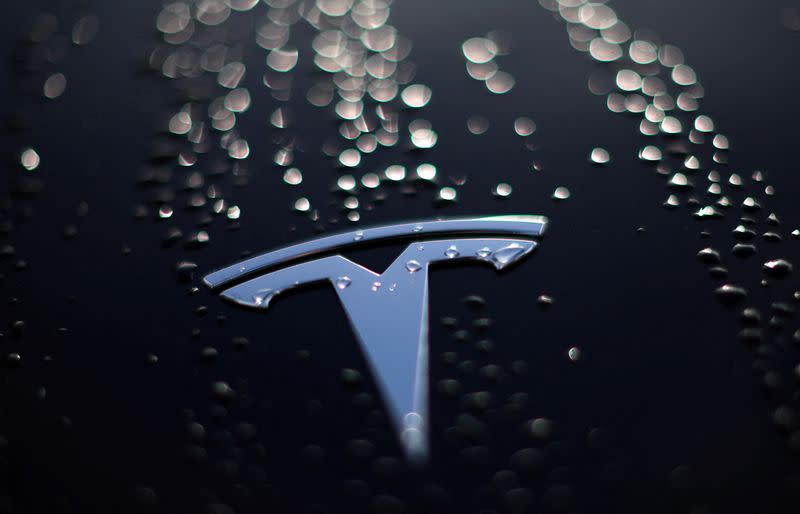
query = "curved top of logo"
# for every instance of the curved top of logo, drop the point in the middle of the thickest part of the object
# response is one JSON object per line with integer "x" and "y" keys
{"x": 524, "y": 225}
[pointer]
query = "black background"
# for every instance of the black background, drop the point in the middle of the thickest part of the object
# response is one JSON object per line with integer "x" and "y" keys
{"x": 663, "y": 412}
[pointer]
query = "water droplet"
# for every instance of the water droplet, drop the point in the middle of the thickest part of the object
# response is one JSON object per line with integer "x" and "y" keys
{"x": 447, "y": 194}
{"x": 730, "y": 294}
{"x": 502, "y": 189}
{"x": 395, "y": 172}
{"x": 55, "y": 85}
{"x": 650, "y": 153}
{"x": 477, "y": 125}
{"x": 479, "y": 49}
{"x": 545, "y": 301}
{"x": 359, "y": 235}
{"x": 376, "y": 286}
{"x": 561, "y": 193}
{"x": 484, "y": 253}
{"x": 524, "y": 126}
{"x": 743, "y": 250}
{"x": 599, "y": 156}
{"x": 29, "y": 159}
{"x": 416, "y": 95}
{"x": 343, "y": 282}
{"x": 293, "y": 176}
{"x": 302, "y": 204}
{"x": 708, "y": 256}
{"x": 778, "y": 267}
{"x": 508, "y": 254}
{"x": 451, "y": 252}
{"x": 574, "y": 354}
{"x": 501, "y": 82}
{"x": 413, "y": 266}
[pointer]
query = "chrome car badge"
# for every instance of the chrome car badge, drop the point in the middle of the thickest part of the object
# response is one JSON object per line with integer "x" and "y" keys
{"x": 388, "y": 311}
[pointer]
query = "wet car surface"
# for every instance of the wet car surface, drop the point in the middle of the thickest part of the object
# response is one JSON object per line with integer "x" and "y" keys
{"x": 644, "y": 356}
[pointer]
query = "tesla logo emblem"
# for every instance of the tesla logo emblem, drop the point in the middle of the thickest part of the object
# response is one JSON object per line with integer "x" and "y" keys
{"x": 388, "y": 311}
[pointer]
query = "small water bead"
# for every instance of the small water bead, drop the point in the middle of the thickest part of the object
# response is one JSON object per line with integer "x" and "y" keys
{"x": 239, "y": 149}
{"x": 395, "y": 172}
{"x": 561, "y": 193}
{"x": 680, "y": 181}
{"x": 604, "y": 51}
{"x": 283, "y": 157}
{"x": 29, "y": 159}
{"x": 743, "y": 250}
{"x": 359, "y": 235}
{"x": 750, "y": 204}
{"x": 343, "y": 282}
{"x": 502, "y": 189}
{"x": 687, "y": 102}
{"x": 293, "y": 176}
{"x": 743, "y": 233}
{"x": 346, "y": 182}
{"x": 376, "y": 286}
{"x": 351, "y": 202}
{"x": 671, "y": 125}
{"x": 524, "y": 126}
{"x": 615, "y": 103}
{"x": 350, "y": 158}
{"x": 484, "y": 252}
{"x": 707, "y": 212}
{"x": 479, "y": 49}
{"x": 302, "y": 204}
{"x": 279, "y": 118}
{"x": 282, "y": 59}
{"x": 426, "y": 171}
{"x": 508, "y": 254}
{"x": 413, "y": 266}
{"x": 628, "y": 80}
{"x": 500, "y": 83}
{"x": 416, "y": 95}
{"x": 54, "y": 86}
{"x": 477, "y": 125}
{"x": 777, "y": 267}
{"x": 451, "y": 252}
{"x": 684, "y": 75}
{"x": 600, "y": 156}
{"x": 721, "y": 142}
{"x": 709, "y": 256}
{"x": 672, "y": 201}
{"x": 635, "y": 104}
{"x": 574, "y": 354}
{"x": 424, "y": 138}
{"x": 238, "y": 100}
{"x": 596, "y": 16}
{"x": 650, "y": 153}
{"x": 482, "y": 71}
{"x": 691, "y": 163}
{"x": 370, "y": 180}
{"x": 730, "y": 294}
{"x": 704, "y": 124}
{"x": 642, "y": 52}
{"x": 447, "y": 194}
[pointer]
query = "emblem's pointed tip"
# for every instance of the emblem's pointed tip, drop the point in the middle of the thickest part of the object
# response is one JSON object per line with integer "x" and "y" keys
{"x": 259, "y": 300}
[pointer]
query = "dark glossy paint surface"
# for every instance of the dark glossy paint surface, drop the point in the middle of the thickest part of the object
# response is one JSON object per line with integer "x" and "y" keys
{"x": 662, "y": 413}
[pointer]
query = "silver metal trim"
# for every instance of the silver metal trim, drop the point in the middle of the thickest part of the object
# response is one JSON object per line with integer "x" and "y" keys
{"x": 524, "y": 225}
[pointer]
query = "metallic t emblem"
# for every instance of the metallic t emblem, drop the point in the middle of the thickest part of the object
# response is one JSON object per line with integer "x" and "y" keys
{"x": 388, "y": 311}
